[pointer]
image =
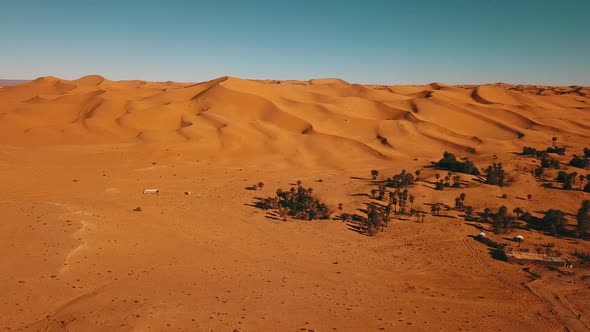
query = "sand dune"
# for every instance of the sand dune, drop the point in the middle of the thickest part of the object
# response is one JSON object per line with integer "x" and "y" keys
{"x": 78, "y": 255}
{"x": 93, "y": 109}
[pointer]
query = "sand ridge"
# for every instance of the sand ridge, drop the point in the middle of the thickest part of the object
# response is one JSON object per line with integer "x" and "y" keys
{"x": 77, "y": 155}
{"x": 261, "y": 116}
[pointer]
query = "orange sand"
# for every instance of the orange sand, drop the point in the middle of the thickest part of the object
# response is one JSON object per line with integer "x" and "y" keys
{"x": 76, "y": 155}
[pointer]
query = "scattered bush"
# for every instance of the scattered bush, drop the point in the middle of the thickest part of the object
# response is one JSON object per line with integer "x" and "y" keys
{"x": 435, "y": 209}
{"x": 529, "y": 151}
{"x": 554, "y": 221}
{"x": 376, "y": 220}
{"x": 580, "y": 162}
{"x": 450, "y": 163}
{"x": 460, "y": 202}
{"x": 400, "y": 180}
{"x": 518, "y": 212}
{"x": 539, "y": 171}
{"x": 567, "y": 179}
{"x": 501, "y": 221}
{"x": 549, "y": 162}
{"x": 556, "y": 150}
{"x": 401, "y": 199}
{"x": 297, "y": 202}
{"x": 374, "y": 174}
{"x": 583, "y": 218}
{"x": 495, "y": 175}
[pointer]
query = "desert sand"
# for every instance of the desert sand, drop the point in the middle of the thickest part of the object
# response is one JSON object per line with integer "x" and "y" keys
{"x": 75, "y": 157}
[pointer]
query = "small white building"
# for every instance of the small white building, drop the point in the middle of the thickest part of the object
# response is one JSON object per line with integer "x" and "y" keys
{"x": 151, "y": 191}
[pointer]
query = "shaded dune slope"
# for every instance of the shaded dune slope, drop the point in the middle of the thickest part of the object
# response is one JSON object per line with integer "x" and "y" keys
{"x": 295, "y": 118}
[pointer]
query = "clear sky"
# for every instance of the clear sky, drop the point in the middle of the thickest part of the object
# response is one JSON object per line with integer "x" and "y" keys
{"x": 475, "y": 41}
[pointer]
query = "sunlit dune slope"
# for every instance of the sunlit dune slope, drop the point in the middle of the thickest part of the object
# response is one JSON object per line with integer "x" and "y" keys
{"x": 292, "y": 117}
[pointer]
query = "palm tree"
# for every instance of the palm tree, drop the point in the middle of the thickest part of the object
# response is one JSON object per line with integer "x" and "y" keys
{"x": 374, "y": 174}
{"x": 469, "y": 211}
{"x": 518, "y": 212}
{"x": 457, "y": 180}
{"x": 381, "y": 191}
{"x": 529, "y": 196}
{"x": 486, "y": 214}
{"x": 418, "y": 172}
{"x": 458, "y": 203}
{"x": 554, "y": 220}
{"x": 299, "y": 182}
{"x": 260, "y": 185}
{"x": 554, "y": 140}
{"x": 462, "y": 196}
{"x": 435, "y": 209}
{"x": 411, "y": 201}
{"x": 437, "y": 176}
{"x": 582, "y": 178}
{"x": 583, "y": 218}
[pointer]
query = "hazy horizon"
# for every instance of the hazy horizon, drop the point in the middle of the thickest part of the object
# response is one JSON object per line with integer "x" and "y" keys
{"x": 380, "y": 42}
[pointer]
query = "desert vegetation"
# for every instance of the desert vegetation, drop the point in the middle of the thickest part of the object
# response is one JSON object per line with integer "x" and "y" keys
{"x": 449, "y": 162}
{"x": 297, "y": 202}
{"x": 495, "y": 175}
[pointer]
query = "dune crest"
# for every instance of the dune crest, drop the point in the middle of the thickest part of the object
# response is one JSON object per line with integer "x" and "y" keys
{"x": 234, "y": 112}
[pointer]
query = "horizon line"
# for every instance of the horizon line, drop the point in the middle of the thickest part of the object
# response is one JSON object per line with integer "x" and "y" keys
{"x": 296, "y": 80}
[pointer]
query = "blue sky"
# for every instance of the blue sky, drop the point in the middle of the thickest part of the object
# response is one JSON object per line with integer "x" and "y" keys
{"x": 544, "y": 42}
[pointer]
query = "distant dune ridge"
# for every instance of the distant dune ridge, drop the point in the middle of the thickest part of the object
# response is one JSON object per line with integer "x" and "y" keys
{"x": 313, "y": 117}
{"x": 5, "y": 82}
{"x": 86, "y": 250}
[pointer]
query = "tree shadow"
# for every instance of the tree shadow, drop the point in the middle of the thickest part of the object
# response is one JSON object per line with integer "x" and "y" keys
{"x": 357, "y": 228}
{"x": 477, "y": 179}
{"x": 476, "y": 226}
{"x": 495, "y": 250}
{"x": 532, "y": 275}
{"x": 447, "y": 216}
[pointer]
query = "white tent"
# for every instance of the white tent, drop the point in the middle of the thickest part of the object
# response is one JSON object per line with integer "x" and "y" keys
{"x": 481, "y": 234}
{"x": 519, "y": 238}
